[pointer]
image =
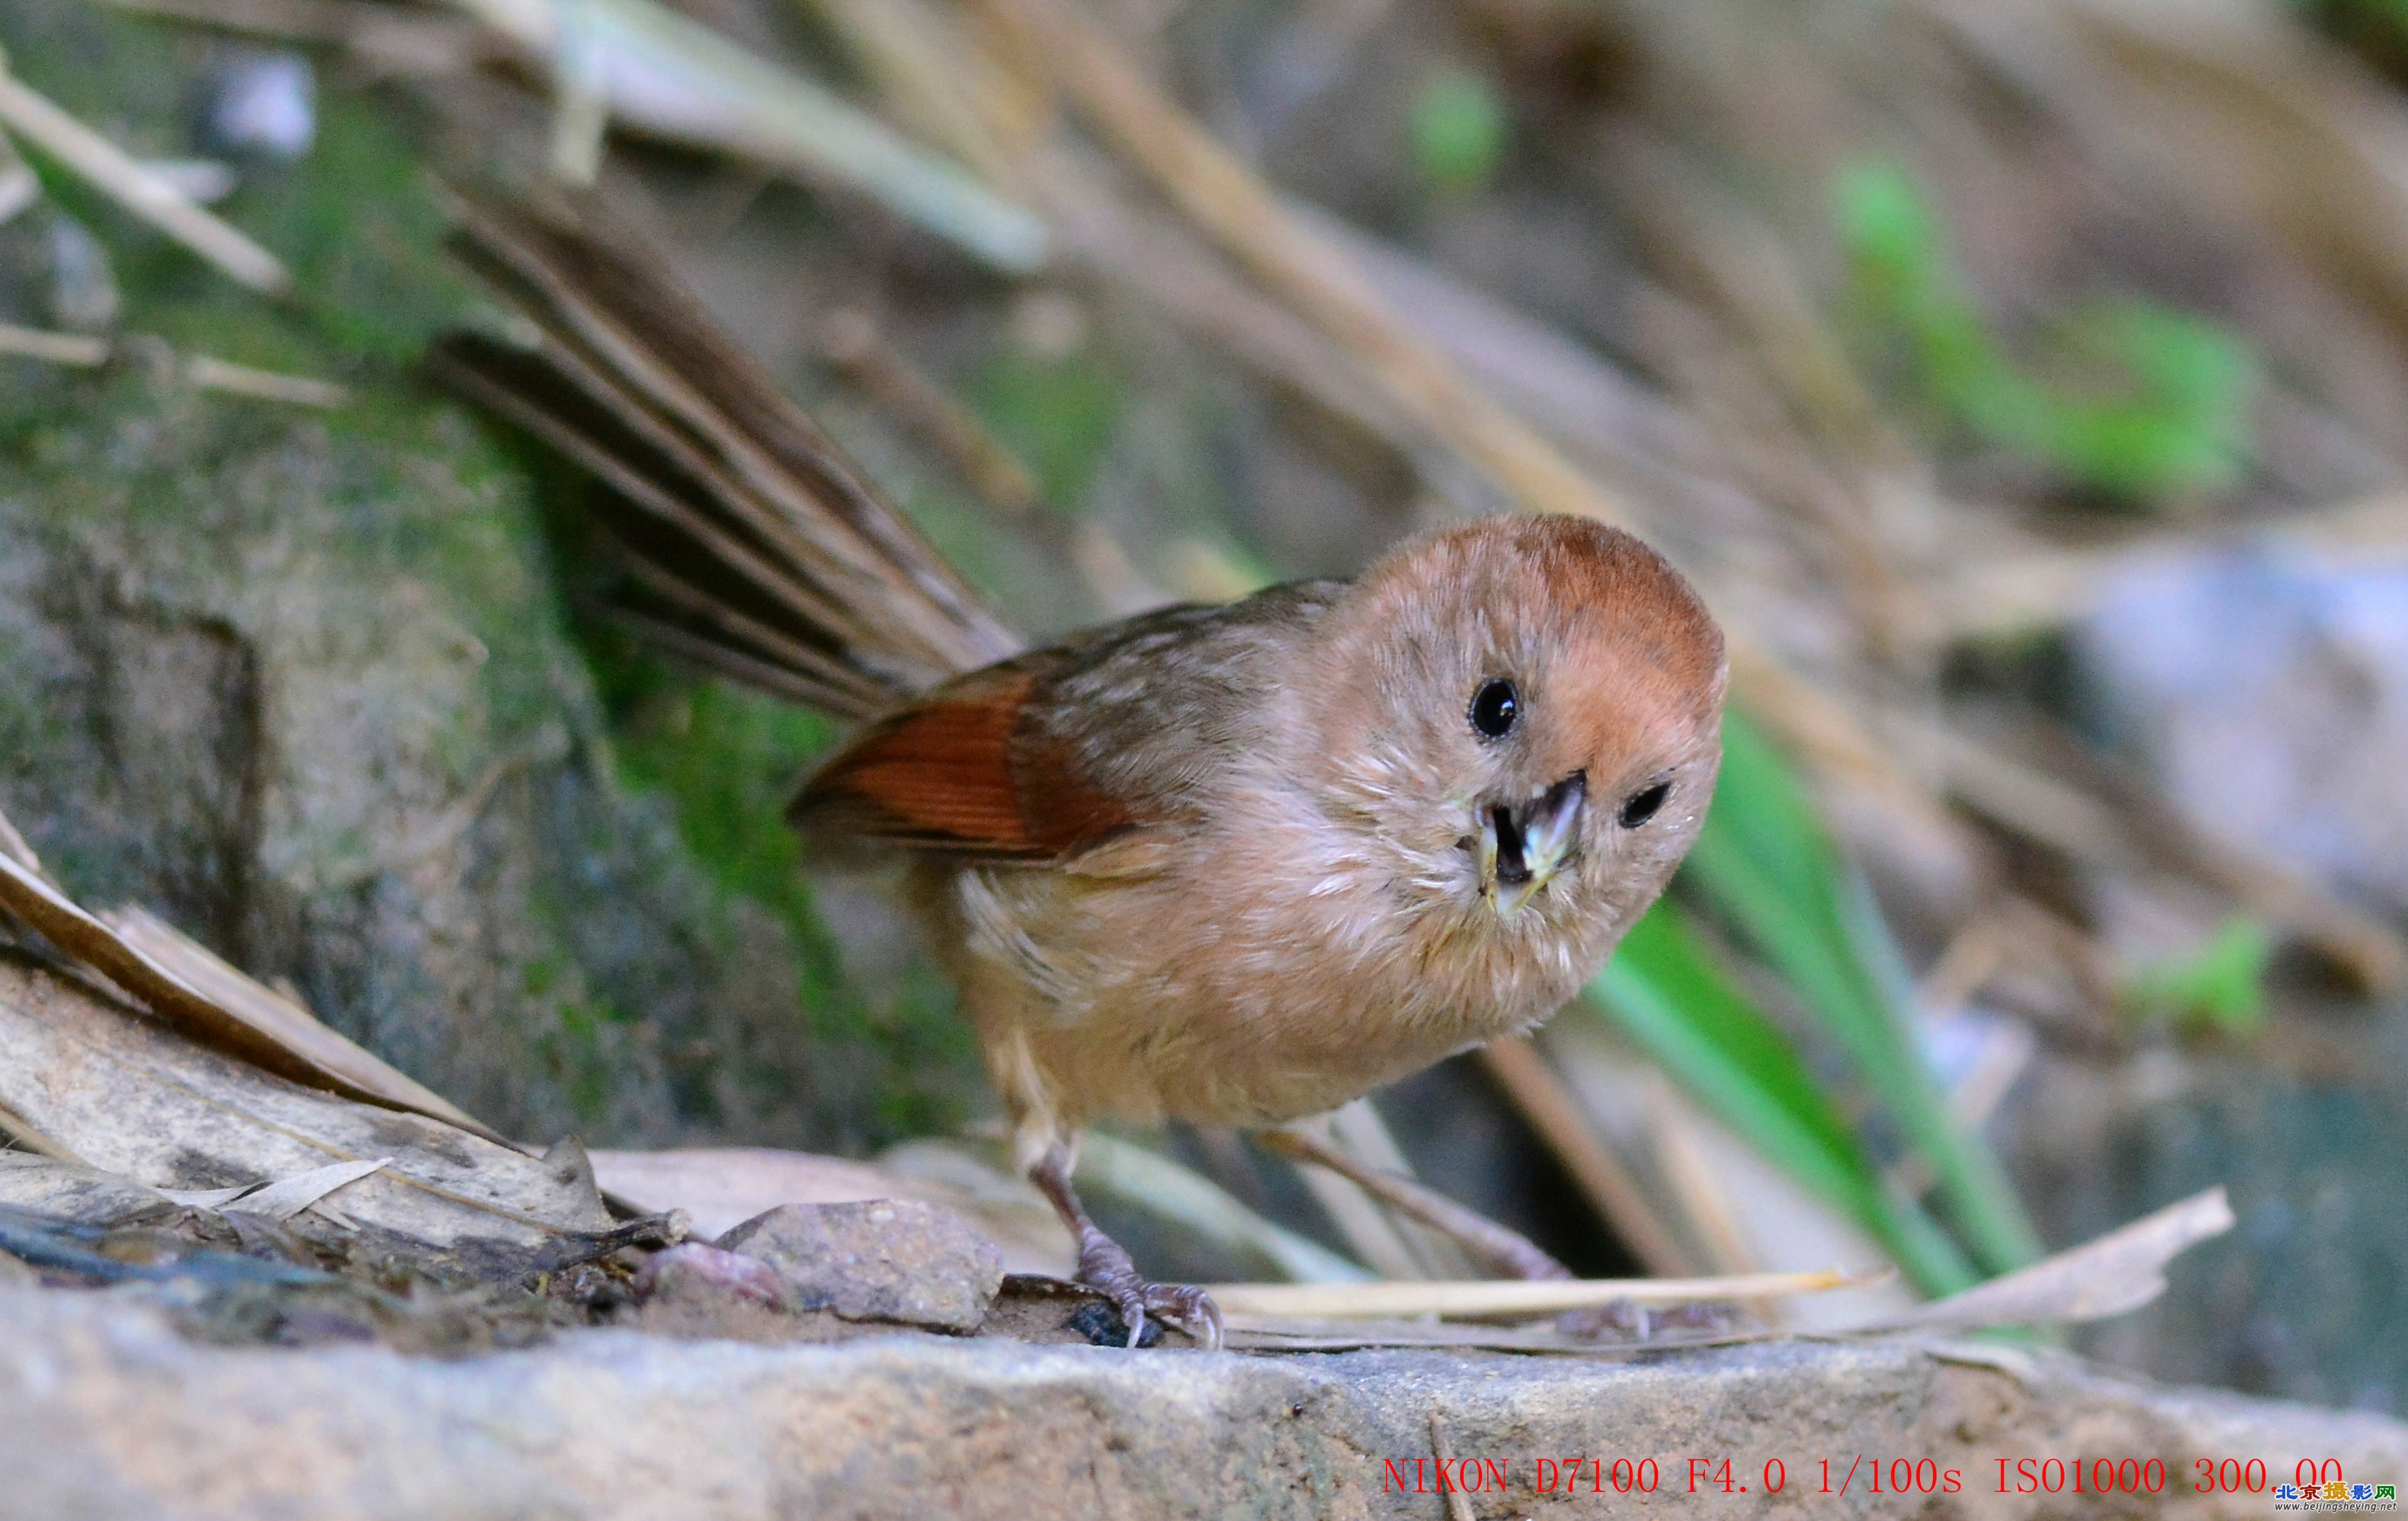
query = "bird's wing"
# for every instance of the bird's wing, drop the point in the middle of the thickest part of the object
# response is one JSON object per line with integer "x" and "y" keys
{"x": 963, "y": 771}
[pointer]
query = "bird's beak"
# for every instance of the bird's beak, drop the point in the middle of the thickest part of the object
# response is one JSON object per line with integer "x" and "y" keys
{"x": 1521, "y": 849}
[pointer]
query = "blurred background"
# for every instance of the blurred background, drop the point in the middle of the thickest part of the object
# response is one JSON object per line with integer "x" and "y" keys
{"x": 2025, "y": 383}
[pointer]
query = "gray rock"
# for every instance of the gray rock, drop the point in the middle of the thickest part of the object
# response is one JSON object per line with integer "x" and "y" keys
{"x": 2267, "y": 690}
{"x": 111, "y": 1414}
{"x": 894, "y": 1259}
{"x": 300, "y": 686}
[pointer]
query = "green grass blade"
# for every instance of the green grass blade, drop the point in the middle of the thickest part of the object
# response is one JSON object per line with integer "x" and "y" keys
{"x": 1767, "y": 869}
{"x": 1669, "y": 994}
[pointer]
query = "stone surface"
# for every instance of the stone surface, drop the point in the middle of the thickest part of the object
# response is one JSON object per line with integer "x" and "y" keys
{"x": 891, "y": 1260}
{"x": 109, "y": 1414}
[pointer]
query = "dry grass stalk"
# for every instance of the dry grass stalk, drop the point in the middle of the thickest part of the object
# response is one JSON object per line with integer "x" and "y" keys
{"x": 77, "y": 350}
{"x": 267, "y": 385}
{"x": 1495, "y": 1297}
{"x": 1243, "y": 215}
{"x": 114, "y": 173}
{"x": 81, "y": 350}
{"x": 852, "y": 343}
{"x": 1544, "y": 1100}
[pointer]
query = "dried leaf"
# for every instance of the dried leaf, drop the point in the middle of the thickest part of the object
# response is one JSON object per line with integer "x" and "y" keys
{"x": 205, "y": 1199}
{"x": 202, "y": 996}
{"x": 123, "y": 1094}
{"x": 2121, "y": 1270}
{"x": 288, "y": 1196}
{"x": 270, "y": 1015}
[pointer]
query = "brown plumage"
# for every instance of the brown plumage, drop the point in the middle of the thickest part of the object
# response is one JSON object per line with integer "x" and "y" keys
{"x": 1234, "y": 864}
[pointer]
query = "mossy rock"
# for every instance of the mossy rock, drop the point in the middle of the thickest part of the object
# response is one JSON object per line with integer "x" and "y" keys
{"x": 305, "y": 683}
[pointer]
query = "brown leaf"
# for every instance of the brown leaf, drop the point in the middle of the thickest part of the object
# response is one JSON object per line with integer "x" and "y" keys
{"x": 210, "y": 1001}
{"x": 2121, "y": 1270}
{"x": 125, "y": 1095}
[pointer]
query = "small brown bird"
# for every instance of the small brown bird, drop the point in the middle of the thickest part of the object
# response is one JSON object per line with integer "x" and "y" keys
{"x": 1234, "y": 864}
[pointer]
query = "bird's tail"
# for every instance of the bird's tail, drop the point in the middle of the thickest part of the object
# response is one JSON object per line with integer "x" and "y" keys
{"x": 753, "y": 545}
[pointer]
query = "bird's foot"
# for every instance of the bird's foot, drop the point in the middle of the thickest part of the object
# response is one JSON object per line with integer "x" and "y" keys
{"x": 1106, "y": 1267}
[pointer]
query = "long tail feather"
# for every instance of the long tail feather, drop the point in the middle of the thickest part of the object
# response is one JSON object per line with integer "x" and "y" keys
{"x": 753, "y": 546}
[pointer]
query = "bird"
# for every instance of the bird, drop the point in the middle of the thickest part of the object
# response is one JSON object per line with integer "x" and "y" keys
{"x": 1233, "y": 864}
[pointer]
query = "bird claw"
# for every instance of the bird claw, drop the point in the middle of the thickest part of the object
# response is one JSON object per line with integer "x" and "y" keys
{"x": 1106, "y": 1267}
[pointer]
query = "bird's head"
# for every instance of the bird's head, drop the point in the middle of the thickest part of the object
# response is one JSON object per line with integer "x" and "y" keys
{"x": 1519, "y": 718}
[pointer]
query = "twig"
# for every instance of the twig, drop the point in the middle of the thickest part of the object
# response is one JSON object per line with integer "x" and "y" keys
{"x": 242, "y": 380}
{"x": 1457, "y": 1508}
{"x": 1501, "y": 1249}
{"x": 110, "y": 170}
{"x": 79, "y": 350}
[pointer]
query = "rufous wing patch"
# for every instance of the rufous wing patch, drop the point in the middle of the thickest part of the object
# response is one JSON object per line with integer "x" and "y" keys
{"x": 958, "y": 771}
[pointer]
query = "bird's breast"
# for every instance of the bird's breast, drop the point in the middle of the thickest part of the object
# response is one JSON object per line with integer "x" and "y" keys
{"x": 1244, "y": 984}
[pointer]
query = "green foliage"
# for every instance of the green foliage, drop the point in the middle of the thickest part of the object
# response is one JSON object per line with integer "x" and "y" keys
{"x": 2139, "y": 400}
{"x": 730, "y": 758}
{"x": 1767, "y": 873}
{"x": 2220, "y": 986}
{"x": 726, "y": 761}
{"x": 1670, "y": 994}
{"x": 1458, "y": 130}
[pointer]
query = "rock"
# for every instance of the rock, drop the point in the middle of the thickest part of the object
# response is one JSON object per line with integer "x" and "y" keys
{"x": 694, "y": 1290}
{"x": 891, "y": 1259}
{"x": 2267, "y": 691}
{"x": 260, "y": 673}
{"x": 693, "y": 1273}
{"x": 112, "y": 1415}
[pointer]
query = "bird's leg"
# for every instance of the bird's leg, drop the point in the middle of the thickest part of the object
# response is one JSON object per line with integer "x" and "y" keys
{"x": 1105, "y": 1265}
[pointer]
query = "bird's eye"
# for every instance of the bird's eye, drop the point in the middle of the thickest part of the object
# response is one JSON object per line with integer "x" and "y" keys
{"x": 1496, "y": 708}
{"x": 1640, "y": 806}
